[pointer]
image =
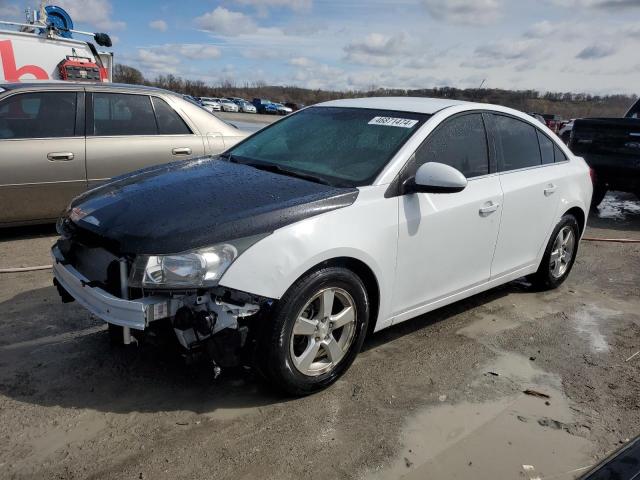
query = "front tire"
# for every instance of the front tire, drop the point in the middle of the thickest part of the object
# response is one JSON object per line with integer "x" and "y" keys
{"x": 559, "y": 256}
{"x": 316, "y": 331}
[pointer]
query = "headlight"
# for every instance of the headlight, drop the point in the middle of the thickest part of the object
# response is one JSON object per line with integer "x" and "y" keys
{"x": 194, "y": 269}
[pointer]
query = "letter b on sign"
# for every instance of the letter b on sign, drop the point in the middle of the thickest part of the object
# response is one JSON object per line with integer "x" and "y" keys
{"x": 11, "y": 72}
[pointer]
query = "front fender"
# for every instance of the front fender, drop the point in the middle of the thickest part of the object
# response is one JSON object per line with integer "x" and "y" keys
{"x": 366, "y": 231}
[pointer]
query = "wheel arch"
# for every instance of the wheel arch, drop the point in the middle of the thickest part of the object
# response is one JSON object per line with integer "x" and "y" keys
{"x": 580, "y": 216}
{"x": 367, "y": 276}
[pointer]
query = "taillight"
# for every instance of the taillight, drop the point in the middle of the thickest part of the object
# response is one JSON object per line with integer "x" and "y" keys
{"x": 592, "y": 174}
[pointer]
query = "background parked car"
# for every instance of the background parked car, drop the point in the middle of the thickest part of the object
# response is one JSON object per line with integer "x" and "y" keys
{"x": 245, "y": 107}
{"x": 282, "y": 110}
{"x": 211, "y": 104}
{"x": 565, "y": 131}
{"x": 58, "y": 139}
{"x": 611, "y": 147}
{"x": 228, "y": 105}
{"x": 294, "y": 106}
{"x": 552, "y": 121}
{"x": 265, "y": 106}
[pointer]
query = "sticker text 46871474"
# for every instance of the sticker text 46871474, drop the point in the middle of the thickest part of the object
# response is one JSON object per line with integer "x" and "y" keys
{"x": 393, "y": 122}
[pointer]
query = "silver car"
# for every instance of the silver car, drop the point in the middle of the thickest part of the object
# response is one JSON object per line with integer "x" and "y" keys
{"x": 57, "y": 139}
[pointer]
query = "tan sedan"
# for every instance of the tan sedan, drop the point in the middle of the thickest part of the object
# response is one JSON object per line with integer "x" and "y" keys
{"x": 58, "y": 139}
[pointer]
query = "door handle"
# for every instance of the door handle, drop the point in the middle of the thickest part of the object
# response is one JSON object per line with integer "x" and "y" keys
{"x": 60, "y": 156}
{"x": 489, "y": 208}
{"x": 550, "y": 190}
{"x": 181, "y": 151}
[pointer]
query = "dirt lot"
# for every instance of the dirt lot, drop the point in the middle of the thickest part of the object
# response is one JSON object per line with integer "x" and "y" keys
{"x": 439, "y": 396}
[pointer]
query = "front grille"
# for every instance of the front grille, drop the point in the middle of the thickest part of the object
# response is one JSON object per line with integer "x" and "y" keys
{"x": 98, "y": 265}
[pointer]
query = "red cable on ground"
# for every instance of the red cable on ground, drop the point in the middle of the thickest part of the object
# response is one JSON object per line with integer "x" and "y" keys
{"x": 611, "y": 240}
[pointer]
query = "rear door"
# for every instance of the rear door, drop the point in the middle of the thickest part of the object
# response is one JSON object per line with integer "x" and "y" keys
{"x": 126, "y": 132}
{"x": 42, "y": 154}
{"x": 532, "y": 183}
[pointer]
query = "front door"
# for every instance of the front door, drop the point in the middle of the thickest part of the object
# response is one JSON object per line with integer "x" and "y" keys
{"x": 446, "y": 241}
{"x": 42, "y": 155}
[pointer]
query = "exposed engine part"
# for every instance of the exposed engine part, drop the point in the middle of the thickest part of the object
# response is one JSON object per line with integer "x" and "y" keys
{"x": 204, "y": 316}
{"x": 224, "y": 347}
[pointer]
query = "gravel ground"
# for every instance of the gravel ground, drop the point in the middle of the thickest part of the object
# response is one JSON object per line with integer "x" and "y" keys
{"x": 439, "y": 396}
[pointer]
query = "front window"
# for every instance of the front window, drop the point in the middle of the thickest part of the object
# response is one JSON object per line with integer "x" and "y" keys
{"x": 334, "y": 145}
{"x": 38, "y": 115}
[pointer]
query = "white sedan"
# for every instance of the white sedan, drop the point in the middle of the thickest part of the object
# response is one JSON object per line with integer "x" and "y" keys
{"x": 228, "y": 105}
{"x": 339, "y": 220}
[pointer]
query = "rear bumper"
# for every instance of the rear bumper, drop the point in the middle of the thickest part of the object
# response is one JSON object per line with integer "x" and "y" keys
{"x": 136, "y": 314}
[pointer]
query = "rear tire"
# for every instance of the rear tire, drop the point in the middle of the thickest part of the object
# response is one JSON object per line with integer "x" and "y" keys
{"x": 559, "y": 256}
{"x": 599, "y": 192}
{"x": 316, "y": 331}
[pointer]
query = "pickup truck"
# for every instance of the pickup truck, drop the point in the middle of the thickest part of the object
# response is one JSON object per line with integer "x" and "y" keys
{"x": 611, "y": 147}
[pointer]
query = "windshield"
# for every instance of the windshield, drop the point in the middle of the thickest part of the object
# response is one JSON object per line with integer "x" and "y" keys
{"x": 341, "y": 146}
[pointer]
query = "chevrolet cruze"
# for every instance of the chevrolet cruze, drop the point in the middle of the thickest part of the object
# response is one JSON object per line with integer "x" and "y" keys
{"x": 342, "y": 219}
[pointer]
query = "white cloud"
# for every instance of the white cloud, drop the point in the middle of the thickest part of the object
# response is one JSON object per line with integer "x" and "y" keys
{"x": 376, "y": 49}
{"x": 160, "y": 59}
{"x": 541, "y": 29}
{"x": 466, "y": 12}
{"x": 156, "y": 62}
{"x": 611, "y": 5}
{"x": 301, "y": 62}
{"x": 295, "y": 5}
{"x": 92, "y": 12}
{"x": 222, "y": 21}
{"x": 159, "y": 25}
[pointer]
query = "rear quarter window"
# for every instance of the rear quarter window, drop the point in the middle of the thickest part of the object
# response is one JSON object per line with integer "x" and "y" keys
{"x": 169, "y": 122}
{"x": 546, "y": 148}
{"x": 559, "y": 154}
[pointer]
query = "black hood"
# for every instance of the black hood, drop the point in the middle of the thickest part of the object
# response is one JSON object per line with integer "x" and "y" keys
{"x": 190, "y": 204}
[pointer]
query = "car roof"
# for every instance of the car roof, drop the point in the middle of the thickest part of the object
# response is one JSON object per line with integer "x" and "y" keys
{"x": 47, "y": 84}
{"x": 403, "y": 104}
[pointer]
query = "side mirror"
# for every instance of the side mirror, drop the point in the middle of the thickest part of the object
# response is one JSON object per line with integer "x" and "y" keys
{"x": 433, "y": 177}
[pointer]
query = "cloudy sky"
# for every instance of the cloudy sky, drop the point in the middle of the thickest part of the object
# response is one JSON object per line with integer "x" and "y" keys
{"x": 547, "y": 45}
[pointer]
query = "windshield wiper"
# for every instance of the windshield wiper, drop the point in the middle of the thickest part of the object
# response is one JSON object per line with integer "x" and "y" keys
{"x": 270, "y": 167}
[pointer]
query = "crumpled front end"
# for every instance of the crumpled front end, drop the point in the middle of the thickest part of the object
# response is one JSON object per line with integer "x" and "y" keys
{"x": 214, "y": 321}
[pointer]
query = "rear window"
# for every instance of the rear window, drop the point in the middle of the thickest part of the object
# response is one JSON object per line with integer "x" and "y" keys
{"x": 518, "y": 144}
{"x": 38, "y": 115}
{"x": 123, "y": 114}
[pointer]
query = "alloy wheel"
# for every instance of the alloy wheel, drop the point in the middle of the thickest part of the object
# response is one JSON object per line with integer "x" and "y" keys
{"x": 323, "y": 332}
{"x": 562, "y": 252}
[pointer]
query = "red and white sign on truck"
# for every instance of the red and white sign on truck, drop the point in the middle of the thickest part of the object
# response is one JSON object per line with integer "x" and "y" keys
{"x": 43, "y": 49}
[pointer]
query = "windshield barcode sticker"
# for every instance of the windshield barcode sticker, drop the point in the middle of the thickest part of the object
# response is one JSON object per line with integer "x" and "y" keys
{"x": 393, "y": 122}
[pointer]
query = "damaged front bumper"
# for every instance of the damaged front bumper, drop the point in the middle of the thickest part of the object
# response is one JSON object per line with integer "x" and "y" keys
{"x": 195, "y": 315}
{"x": 136, "y": 314}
